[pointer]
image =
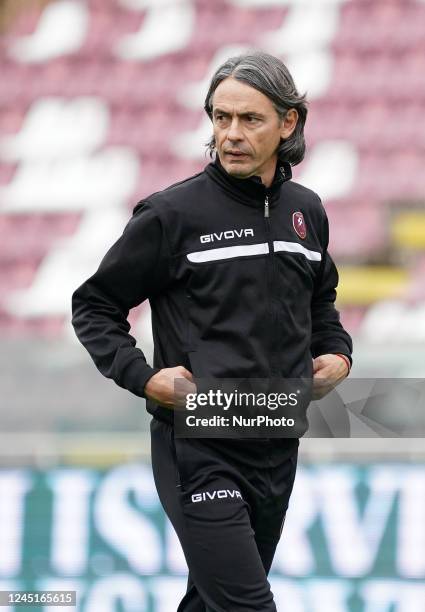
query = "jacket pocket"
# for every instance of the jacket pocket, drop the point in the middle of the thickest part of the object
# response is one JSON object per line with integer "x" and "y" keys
{"x": 177, "y": 448}
{"x": 196, "y": 364}
{"x": 177, "y": 475}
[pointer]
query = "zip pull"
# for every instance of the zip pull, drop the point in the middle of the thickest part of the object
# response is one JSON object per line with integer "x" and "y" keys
{"x": 266, "y": 207}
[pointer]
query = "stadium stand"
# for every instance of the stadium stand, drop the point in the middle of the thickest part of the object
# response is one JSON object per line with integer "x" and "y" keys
{"x": 101, "y": 104}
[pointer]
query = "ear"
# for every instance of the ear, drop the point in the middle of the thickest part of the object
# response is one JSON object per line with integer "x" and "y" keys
{"x": 289, "y": 123}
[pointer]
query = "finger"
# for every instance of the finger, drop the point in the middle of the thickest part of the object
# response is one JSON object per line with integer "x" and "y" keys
{"x": 321, "y": 386}
{"x": 185, "y": 373}
{"x": 324, "y": 372}
{"x": 184, "y": 389}
{"x": 183, "y": 386}
{"x": 318, "y": 395}
{"x": 319, "y": 362}
{"x": 321, "y": 390}
{"x": 322, "y": 382}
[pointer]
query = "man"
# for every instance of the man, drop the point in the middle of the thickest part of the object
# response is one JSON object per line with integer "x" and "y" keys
{"x": 235, "y": 265}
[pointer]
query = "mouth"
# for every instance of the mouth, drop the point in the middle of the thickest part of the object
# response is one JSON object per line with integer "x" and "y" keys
{"x": 235, "y": 154}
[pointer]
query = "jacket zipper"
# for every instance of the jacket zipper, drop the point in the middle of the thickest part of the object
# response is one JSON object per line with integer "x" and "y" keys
{"x": 266, "y": 207}
{"x": 272, "y": 284}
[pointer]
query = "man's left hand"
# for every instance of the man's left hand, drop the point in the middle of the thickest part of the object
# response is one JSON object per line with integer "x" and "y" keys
{"x": 328, "y": 371}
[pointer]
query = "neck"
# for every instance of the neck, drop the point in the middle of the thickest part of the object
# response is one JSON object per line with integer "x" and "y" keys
{"x": 267, "y": 175}
{"x": 250, "y": 190}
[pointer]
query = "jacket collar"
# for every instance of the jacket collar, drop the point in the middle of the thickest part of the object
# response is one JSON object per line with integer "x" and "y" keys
{"x": 250, "y": 190}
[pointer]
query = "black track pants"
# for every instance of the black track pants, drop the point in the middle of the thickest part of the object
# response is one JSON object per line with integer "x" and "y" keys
{"x": 228, "y": 513}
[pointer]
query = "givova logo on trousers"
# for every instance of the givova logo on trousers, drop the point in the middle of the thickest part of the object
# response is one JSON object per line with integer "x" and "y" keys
{"x": 217, "y": 494}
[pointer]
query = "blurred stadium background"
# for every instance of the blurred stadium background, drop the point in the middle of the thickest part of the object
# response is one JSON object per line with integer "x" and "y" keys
{"x": 100, "y": 105}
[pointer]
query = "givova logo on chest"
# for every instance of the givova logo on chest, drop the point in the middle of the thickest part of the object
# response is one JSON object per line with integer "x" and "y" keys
{"x": 227, "y": 235}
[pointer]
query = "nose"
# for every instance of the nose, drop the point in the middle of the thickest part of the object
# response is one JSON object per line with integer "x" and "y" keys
{"x": 234, "y": 132}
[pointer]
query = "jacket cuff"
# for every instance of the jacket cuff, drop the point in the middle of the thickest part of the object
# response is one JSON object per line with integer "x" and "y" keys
{"x": 347, "y": 355}
{"x": 334, "y": 349}
{"x": 136, "y": 375}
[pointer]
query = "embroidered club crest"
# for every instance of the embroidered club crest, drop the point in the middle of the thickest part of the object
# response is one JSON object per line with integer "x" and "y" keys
{"x": 299, "y": 224}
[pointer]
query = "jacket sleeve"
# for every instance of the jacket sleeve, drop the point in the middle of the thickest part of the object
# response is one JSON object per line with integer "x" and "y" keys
{"x": 328, "y": 334}
{"x": 135, "y": 268}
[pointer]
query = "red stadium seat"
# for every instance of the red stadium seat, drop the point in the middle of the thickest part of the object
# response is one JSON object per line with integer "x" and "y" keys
{"x": 375, "y": 102}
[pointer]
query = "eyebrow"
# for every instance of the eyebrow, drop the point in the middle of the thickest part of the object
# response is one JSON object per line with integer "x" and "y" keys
{"x": 244, "y": 114}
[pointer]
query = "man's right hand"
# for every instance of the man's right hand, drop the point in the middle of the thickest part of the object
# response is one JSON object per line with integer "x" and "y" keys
{"x": 161, "y": 387}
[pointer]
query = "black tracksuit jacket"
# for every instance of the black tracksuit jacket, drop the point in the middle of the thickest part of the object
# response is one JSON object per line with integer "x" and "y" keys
{"x": 235, "y": 290}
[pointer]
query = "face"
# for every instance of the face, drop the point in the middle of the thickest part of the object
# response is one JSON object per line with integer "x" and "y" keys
{"x": 248, "y": 130}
